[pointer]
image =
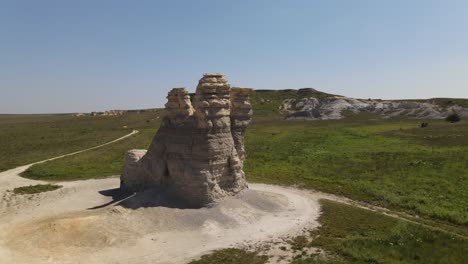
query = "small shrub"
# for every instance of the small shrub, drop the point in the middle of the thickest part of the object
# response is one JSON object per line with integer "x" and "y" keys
{"x": 453, "y": 117}
{"x": 298, "y": 243}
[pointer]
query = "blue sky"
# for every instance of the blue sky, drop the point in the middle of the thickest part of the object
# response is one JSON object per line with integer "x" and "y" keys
{"x": 80, "y": 56}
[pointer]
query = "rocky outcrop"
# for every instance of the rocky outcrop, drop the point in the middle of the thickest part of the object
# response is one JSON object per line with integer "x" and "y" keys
{"x": 198, "y": 152}
{"x": 108, "y": 113}
{"x": 335, "y": 107}
{"x": 122, "y": 112}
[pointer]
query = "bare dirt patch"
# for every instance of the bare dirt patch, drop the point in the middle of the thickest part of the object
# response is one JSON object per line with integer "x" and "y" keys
{"x": 80, "y": 223}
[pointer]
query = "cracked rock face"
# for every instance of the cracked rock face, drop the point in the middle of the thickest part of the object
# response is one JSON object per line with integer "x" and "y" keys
{"x": 198, "y": 152}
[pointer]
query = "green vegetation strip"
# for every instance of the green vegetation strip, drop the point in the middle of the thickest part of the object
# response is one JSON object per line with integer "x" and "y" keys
{"x": 32, "y": 189}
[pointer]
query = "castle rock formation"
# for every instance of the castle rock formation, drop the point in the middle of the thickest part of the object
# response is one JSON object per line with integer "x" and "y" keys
{"x": 197, "y": 155}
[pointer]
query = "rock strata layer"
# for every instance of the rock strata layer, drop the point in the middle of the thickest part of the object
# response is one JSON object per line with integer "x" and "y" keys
{"x": 198, "y": 152}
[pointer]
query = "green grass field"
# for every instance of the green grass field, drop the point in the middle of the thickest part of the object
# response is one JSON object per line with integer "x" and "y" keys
{"x": 420, "y": 172}
{"x": 391, "y": 164}
{"x": 26, "y": 139}
{"x": 99, "y": 163}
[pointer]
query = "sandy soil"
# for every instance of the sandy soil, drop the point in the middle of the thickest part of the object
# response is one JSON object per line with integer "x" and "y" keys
{"x": 70, "y": 226}
{"x": 89, "y": 222}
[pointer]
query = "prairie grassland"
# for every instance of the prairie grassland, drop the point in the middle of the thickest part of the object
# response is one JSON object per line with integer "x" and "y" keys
{"x": 26, "y": 139}
{"x": 393, "y": 164}
{"x": 98, "y": 163}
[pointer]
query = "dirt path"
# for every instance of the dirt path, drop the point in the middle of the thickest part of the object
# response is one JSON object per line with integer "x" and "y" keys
{"x": 10, "y": 179}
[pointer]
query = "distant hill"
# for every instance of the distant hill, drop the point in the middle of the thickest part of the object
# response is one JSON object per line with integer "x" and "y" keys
{"x": 311, "y": 104}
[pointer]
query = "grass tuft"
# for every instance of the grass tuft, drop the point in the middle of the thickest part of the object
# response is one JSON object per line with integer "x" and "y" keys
{"x": 231, "y": 256}
{"x": 32, "y": 189}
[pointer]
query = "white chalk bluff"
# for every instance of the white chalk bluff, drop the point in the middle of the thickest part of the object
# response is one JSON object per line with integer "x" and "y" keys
{"x": 197, "y": 155}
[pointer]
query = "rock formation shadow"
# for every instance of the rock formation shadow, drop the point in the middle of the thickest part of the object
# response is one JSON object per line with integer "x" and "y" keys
{"x": 153, "y": 197}
{"x": 117, "y": 195}
{"x": 156, "y": 197}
